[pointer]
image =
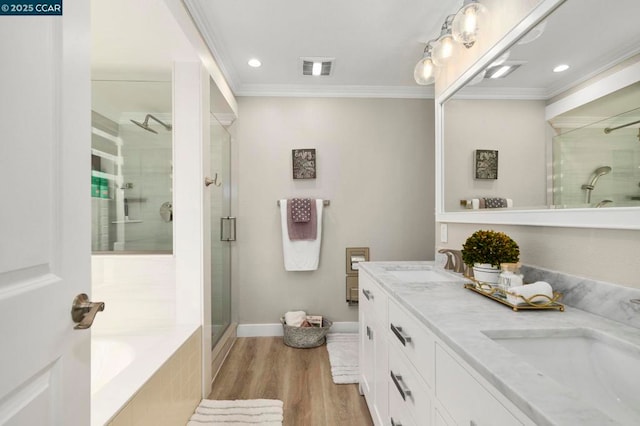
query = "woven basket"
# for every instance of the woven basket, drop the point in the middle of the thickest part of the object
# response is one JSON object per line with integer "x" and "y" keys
{"x": 305, "y": 337}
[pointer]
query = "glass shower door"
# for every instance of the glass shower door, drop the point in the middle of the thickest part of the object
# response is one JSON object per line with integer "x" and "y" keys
{"x": 222, "y": 229}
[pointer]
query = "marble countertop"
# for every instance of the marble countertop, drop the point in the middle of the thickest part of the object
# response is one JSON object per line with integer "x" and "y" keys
{"x": 459, "y": 317}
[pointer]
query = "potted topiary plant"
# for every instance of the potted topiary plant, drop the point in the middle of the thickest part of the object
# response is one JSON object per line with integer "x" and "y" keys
{"x": 486, "y": 250}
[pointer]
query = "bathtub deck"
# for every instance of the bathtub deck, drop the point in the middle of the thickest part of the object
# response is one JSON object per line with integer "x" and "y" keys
{"x": 264, "y": 367}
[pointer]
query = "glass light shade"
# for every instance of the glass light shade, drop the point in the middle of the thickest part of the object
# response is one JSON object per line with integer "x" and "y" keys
{"x": 426, "y": 71}
{"x": 467, "y": 22}
{"x": 534, "y": 34}
{"x": 443, "y": 49}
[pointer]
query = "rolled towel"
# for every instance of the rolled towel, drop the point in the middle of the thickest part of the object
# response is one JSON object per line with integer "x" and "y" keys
{"x": 529, "y": 290}
{"x": 295, "y": 318}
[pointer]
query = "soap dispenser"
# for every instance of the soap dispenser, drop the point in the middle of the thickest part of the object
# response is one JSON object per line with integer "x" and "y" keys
{"x": 510, "y": 276}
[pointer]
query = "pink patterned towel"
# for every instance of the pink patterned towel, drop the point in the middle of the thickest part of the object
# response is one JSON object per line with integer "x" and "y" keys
{"x": 302, "y": 230}
{"x": 301, "y": 209}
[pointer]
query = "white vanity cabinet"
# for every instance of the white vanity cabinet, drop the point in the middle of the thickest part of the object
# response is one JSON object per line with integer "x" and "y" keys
{"x": 465, "y": 399}
{"x": 373, "y": 351}
{"x": 409, "y": 376}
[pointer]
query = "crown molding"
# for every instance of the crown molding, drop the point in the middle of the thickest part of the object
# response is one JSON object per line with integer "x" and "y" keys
{"x": 336, "y": 91}
{"x": 209, "y": 35}
{"x": 515, "y": 93}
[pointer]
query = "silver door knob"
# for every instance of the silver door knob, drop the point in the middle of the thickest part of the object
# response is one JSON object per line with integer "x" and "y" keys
{"x": 83, "y": 311}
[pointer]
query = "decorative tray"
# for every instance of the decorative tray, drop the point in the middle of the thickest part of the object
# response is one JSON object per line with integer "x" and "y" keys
{"x": 500, "y": 295}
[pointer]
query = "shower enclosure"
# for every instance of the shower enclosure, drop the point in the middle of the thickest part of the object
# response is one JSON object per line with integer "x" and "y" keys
{"x": 222, "y": 229}
{"x": 596, "y": 167}
{"x": 131, "y": 166}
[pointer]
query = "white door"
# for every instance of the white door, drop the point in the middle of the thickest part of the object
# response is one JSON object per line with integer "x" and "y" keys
{"x": 44, "y": 216}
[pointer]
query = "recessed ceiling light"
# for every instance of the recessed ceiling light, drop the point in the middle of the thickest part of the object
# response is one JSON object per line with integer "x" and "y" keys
{"x": 561, "y": 68}
{"x": 254, "y": 63}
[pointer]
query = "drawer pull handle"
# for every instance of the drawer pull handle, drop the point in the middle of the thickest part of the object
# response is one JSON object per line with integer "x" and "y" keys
{"x": 367, "y": 294}
{"x": 394, "y": 423}
{"x": 369, "y": 333}
{"x": 404, "y": 391}
{"x": 404, "y": 338}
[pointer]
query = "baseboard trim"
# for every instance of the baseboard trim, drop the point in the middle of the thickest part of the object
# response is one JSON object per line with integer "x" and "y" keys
{"x": 274, "y": 330}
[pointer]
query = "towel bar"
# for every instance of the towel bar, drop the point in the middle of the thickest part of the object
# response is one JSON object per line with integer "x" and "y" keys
{"x": 324, "y": 202}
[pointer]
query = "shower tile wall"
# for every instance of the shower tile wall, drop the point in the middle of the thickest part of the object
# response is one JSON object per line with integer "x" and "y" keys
{"x": 148, "y": 166}
{"x": 139, "y": 291}
{"x": 582, "y": 151}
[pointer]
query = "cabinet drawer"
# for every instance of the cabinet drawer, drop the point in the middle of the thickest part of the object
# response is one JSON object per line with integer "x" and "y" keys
{"x": 413, "y": 339}
{"x": 398, "y": 414}
{"x": 464, "y": 398}
{"x": 372, "y": 297}
{"x": 406, "y": 383}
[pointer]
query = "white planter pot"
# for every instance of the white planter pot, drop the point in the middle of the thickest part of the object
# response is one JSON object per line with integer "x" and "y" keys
{"x": 486, "y": 273}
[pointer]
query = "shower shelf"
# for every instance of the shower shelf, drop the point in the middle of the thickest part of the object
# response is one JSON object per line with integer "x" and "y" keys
{"x": 103, "y": 175}
{"x": 126, "y": 221}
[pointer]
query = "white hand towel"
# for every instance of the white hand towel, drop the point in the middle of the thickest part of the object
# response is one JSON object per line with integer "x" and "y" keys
{"x": 529, "y": 290}
{"x": 295, "y": 318}
{"x": 300, "y": 255}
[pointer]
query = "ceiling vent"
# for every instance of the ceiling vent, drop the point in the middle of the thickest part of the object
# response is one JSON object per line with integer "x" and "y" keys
{"x": 317, "y": 66}
{"x": 502, "y": 70}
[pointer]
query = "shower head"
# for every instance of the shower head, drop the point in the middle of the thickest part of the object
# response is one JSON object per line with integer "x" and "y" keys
{"x": 145, "y": 124}
{"x": 600, "y": 171}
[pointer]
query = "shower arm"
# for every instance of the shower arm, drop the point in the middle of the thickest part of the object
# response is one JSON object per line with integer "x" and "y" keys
{"x": 611, "y": 129}
{"x": 166, "y": 126}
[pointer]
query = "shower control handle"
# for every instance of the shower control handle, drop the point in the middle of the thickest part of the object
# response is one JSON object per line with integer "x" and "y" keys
{"x": 83, "y": 311}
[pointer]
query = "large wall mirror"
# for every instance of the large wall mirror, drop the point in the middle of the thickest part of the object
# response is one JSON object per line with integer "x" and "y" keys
{"x": 521, "y": 141}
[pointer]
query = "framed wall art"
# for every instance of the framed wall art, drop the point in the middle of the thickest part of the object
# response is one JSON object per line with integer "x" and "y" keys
{"x": 486, "y": 164}
{"x": 304, "y": 163}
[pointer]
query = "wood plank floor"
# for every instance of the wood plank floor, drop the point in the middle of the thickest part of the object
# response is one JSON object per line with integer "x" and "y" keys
{"x": 264, "y": 367}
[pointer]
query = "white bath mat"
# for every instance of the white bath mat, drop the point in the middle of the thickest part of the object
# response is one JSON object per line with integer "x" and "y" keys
{"x": 343, "y": 357}
{"x": 240, "y": 412}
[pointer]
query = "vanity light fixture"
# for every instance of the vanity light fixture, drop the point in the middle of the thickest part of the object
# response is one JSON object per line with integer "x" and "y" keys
{"x": 254, "y": 63}
{"x": 561, "y": 67}
{"x": 463, "y": 27}
{"x": 444, "y": 46}
{"x": 467, "y": 22}
{"x": 533, "y": 34}
{"x": 425, "y": 71}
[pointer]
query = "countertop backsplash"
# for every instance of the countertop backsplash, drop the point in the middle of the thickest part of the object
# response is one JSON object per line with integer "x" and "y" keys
{"x": 601, "y": 298}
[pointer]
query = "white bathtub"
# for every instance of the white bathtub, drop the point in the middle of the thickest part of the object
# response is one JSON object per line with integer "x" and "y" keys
{"x": 122, "y": 363}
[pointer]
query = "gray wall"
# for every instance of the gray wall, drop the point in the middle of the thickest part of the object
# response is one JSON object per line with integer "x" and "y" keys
{"x": 375, "y": 162}
{"x": 516, "y": 129}
{"x": 611, "y": 255}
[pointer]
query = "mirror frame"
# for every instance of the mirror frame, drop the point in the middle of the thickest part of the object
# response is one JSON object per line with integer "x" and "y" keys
{"x": 605, "y": 218}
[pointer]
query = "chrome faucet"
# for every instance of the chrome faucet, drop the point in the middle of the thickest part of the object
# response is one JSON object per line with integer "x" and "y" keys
{"x": 454, "y": 261}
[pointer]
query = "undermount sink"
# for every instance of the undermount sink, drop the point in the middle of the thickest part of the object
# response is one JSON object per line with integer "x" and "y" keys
{"x": 602, "y": 369}
{"x": 421, "y": 275}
